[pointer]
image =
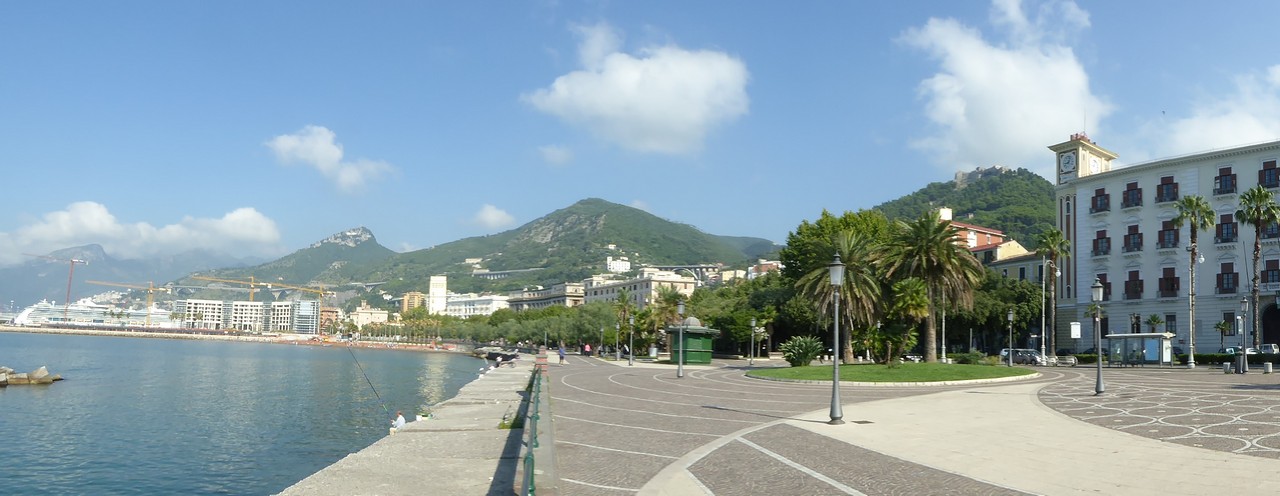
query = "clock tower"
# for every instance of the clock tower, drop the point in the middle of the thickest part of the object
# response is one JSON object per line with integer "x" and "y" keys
{"x": 1080, "y": 157}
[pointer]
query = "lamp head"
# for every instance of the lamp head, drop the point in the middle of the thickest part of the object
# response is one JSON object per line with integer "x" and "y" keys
{"x": 753, "y": 323}
{"x": 680, "y": 308}
{"x": 1244, "y": 304}
{"x": 837, "y": 271}
{"x": 1010, "y": 315}
{"x": 1097, "y": 290}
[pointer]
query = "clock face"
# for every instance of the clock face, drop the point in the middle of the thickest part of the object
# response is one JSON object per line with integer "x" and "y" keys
{"x": 1067, "y": 161}
{"x": 1095, "y": 165}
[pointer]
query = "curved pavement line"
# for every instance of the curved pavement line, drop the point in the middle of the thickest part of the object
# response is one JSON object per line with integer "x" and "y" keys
{"x": 967, "y": 382}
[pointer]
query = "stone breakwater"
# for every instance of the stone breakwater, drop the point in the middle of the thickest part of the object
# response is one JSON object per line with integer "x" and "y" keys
{"x": 37, "y": 376}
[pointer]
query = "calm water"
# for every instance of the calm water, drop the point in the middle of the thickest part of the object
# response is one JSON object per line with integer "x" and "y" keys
{"x": 161, "y": 416}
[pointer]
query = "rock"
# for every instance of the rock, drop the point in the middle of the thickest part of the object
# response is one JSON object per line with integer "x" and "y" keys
{"x": 39, "y": 373}
{"x": 6, "y": 370}
{"x": 4, "y": 378}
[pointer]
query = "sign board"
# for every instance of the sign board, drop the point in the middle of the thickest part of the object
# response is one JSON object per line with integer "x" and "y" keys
{"x": 1075, "y": 330}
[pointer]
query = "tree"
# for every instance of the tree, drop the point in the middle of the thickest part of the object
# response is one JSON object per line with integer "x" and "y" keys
{"x": 1053, "y": 246}
{"x": 1154, "y": 321}
{"x": 1223, "y": 328}
{"x": 860, "y": 287}
{"x": 929, "y": 248}
{"x": 1195, "y": 212}
{"x": 910, "y": 305}
{"x": 1258, "y": 208}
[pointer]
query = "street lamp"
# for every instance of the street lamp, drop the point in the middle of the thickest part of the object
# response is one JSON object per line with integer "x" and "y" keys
{"x": 1243, "y": 362}
{"x": 631, "y": 342}
{"x": 837, "y": 279}
{"x": 617, "y": 333}
{"x": 1191, "y": 305}
{"x": 680, "y": 341}
{"x": 1098, "y": 387}
{"x": 752, "y": 360}
{"x": 1010, "y": 353}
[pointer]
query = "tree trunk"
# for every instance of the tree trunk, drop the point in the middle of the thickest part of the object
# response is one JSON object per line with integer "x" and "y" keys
{"x": 930, "y": 333}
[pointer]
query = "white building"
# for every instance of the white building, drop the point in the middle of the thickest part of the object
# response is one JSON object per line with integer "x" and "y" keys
{"x": 437, "y": 294}
{"x": 1130, "y": 242}
{"x": 471, "y": 305}
{"x": 642, "y": 289}
{"x": 299, "y": 316}
{"x": 618, "y": 265}
{"x": 366, "y": 315}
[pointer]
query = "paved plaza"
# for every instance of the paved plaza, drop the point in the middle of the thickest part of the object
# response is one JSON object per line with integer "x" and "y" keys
{"x": 640, "y": 430}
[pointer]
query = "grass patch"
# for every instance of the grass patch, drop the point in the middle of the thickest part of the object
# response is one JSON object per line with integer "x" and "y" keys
{"x": 907, "y": 372}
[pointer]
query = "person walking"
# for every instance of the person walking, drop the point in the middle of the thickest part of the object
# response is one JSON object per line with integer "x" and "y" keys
{"x": 561, "y": 351}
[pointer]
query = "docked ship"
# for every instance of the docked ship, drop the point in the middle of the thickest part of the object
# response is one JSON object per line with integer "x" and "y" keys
{"x": 88, "y": 313}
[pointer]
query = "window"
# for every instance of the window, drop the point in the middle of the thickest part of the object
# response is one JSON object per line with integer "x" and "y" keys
{"x": 1167, "y": 190}
{"x": 1269, "y": 176}
{"x": 1101, "y": 201}
{"x": 1228, "y": 279}
{"x": 1132, "y": 240}
{"x": 1271, "y": 231}
{"x": 1106, "y": 287}
{"x": 1168, "y": 236}
{"x": 1230, "y": 319}
{"x": 1171, "y": 323}
{"x": 1101, "y": 244}
{"x": 1225, "y": 183}
{"x": 1169, "y": 283}
{"x": 1132, "y": 196}
{"x": 1133, "y": 286}
{"x": 1272, "y": 272}
{"x": 1226, "y": 229}
{"x": 1022, "y": 273}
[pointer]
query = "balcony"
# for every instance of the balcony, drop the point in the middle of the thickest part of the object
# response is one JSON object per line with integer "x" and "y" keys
{"x": 1269, "y": 183}
{"x": 1131, "y": 202}
{"x": 1167, "y": 243}
{"x": 1227, "y": 189}
{"x": 1099, "y": 252}
{"x": 1168, "y": 293}
{"x": 1226, "y": 238}
{"x": 1133, "y": 295}
{"x": 1224, "y": 290}
{"x": 1105, "y": 207}
{"x": 1132, "y": 247}
{"x": 1167, "y": 198}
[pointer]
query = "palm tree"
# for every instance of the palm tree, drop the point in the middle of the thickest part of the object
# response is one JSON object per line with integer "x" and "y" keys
{"x": 860, "y": 289}
{"x": 1223, "y": 328}
{"x": 1054, "y": 246}
{"x": 1154, "y": 321}
{"x": 911, "y": 304}
{"x": 930, "y": 249}
{"x": 1258, "y": 208}
{"x": 1194, "y": 211}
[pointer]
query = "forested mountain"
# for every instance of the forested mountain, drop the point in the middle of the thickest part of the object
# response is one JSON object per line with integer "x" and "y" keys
{"x": 1017, "y": 202}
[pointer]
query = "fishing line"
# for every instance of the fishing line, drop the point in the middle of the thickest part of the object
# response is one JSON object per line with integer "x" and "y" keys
{"x": 366, "y": 379}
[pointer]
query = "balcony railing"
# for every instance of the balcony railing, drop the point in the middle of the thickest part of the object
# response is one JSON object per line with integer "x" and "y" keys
{"x": 1166, "y": 198}
{"x": 1106, "y": 207}
{"x": 1269, "y": 183}
{"x": 1225, "y": 239}
{"x": 1225, "y": 290}
{"x": 1167, "y": 243}
{"x": 1168, "y": 293}
{"x": 1132, "y": 247}
{"x": 1133, "y": 295}
{"x": 1098, "y": 252}
{"x": 1225, "y": 190}
{"x": 1131, "y": 202}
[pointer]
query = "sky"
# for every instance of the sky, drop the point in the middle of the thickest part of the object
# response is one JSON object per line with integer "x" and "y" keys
{"x": 257, "y": 128}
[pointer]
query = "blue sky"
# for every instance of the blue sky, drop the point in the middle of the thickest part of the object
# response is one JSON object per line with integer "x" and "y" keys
{"x": 257, "y": 128}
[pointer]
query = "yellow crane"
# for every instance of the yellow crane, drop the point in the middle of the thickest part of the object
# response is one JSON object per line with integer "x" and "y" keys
{"x": 149, "y": 288}
{"x": 320, "y": 293}
{"x": 251, "y": 282}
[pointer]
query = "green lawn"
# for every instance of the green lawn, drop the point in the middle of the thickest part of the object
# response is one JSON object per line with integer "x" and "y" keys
{"x": 907, "y": 372}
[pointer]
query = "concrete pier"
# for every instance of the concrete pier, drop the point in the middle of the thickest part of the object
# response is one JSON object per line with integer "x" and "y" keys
{"x": 458, "y": 450}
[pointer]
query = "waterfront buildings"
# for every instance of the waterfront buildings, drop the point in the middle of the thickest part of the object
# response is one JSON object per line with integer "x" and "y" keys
{"x": 1120, "y": 225}
{"x": 641, "y": 289}
{"x": 569, "y": 294}
{"x": 296, "y": 316}
{"x": 411, "y": 300}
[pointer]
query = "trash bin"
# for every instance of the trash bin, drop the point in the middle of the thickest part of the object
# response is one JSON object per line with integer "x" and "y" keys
{"x": 1266, "y": 367}
{"x": 1226, "y": 368}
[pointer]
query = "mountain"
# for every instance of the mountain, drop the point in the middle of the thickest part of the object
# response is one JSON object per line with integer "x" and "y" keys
{"x": 325, "y": 262}
{"x": 569, "y": 244}
{"x": 45, "y": 276}
{"x": 1017, "y": 202}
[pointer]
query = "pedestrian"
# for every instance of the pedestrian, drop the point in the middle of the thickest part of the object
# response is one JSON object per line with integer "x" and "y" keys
{"x": 398, "y": 423}
{"x": 561, "y": 354}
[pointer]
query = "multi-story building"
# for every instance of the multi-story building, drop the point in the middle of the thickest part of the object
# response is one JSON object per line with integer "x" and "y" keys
{"x": 365, "y": 315}
{"x": 642, "y": 289}
{"x": 471, "y": 305}
{"x": 298, "y": 316}
{"x": 568, "y": 294}
{"x": 1131, "y": 247}
{"x": 763, "y": 267}
{"x": 411, "y": 300}
{"x": 437, "y": 294}
{"x": 617, "y": 265}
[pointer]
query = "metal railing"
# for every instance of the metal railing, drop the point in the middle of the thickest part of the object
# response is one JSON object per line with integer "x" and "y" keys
{"x": 529, "y": 488}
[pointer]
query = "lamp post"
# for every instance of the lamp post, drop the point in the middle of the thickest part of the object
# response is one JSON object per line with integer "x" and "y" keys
{"x": 631, "y": 342}
{"x": 837, "y": 279}
{"x": 1242, "y": 365}
{"x": 1043, "y": 272}
{"x": 1191, "y": 306}
{"x": 680, "y": 341}
{"x": 617, "y": 350}
{"x": 601, "y": 355}
{"x": 1098, "y": 387}
{"x": 752, "y": 360}
{"x": 1010, "y": 353}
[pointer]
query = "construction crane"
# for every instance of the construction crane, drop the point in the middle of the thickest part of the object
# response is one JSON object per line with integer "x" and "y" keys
{"x": 149, "y": 288}
{"x": 66, "y": 304}
{"x": 251, "y": 282}
{"x": 320, "y": 293}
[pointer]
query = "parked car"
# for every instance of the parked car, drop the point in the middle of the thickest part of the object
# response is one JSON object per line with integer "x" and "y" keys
{"x": 1231, "y": 350}
{"x": 1270, "y": 348}
{"x": 1024, "y": 356}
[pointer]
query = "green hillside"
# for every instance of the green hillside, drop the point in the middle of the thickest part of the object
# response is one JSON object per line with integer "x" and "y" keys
{"x": 1017, "y": 202}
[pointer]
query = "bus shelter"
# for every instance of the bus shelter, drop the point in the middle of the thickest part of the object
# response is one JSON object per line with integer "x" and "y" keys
{"x": 1139, "y": 349}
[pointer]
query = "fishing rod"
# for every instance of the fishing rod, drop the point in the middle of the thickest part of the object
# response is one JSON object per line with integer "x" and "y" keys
{"x": 366, "y": 378}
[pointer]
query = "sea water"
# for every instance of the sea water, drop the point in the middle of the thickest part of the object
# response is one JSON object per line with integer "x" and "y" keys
{"x": 165, "y": 416}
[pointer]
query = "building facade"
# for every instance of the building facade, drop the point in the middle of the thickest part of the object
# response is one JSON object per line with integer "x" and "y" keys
{"x": 641, "y": 290}
{"x": 568, "y": 294}
{"x": 296, "y": 316}
{"x": 1119, "y": 222}
{"x": 411, "y": 300}
{"x": 471, "y": 305}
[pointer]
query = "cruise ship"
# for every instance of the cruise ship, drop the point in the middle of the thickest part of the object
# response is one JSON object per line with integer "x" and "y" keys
{"x": 86, "y": 312}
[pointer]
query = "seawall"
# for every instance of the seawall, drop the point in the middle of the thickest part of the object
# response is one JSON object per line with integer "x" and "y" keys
{"x": 458, "y": 450}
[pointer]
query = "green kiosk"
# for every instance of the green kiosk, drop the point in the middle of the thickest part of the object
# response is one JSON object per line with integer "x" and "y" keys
{"x": 697, "y": 341}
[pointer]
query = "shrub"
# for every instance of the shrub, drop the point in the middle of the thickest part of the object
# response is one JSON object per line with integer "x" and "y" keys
{"x": 972, "y": 358}
{"x": 800, "y": 350}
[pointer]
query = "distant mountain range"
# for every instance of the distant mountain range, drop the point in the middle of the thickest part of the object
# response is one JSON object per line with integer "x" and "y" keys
{"x": 569, "y": 244}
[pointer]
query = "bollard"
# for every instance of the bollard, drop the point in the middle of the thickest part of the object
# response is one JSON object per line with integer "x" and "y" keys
{"x": 1266, "y": 367}
{"x": 1226, "y": 368}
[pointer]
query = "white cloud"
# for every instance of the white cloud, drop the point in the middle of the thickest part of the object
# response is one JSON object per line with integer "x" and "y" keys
{"x": 491, "y": 217}
{"x": 316, "y": 146}
{"x": 1002, "y": 102}
{"x": 664, "y": 99}
{"x": 556, "y": 154}
{"x": 1250, "y": 113}
{"x": 241, "y": 231}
